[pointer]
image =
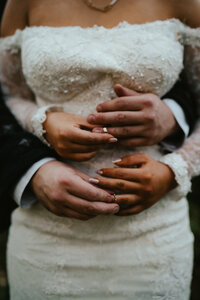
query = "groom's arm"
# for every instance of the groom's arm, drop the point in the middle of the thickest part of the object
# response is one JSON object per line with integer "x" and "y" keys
{"x": 19, "y": 150}
{"x": 185, "y": 98}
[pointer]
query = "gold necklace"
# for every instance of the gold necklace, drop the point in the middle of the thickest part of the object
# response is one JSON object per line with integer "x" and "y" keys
{"x": 100, "y": 4}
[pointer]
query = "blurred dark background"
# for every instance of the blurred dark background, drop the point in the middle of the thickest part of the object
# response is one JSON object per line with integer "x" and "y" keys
{"x": 194, "y": 202}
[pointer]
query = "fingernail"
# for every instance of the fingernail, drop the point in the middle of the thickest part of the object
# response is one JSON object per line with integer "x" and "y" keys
{"x": 116, "y": 160}
{"x": 93, "y": 180}
{"x": 91, "y": 118}
{"x": 98, "y": 130}
{"x": 113, "y": 140}
{"x": 99, "y": 172}
{"x": 99, "y": 108}
{"x": 115, "y": 210}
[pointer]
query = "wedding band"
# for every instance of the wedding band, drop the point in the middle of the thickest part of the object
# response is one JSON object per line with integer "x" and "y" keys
{"x": 105, "y": 130}
{"x": 115, "y": 198}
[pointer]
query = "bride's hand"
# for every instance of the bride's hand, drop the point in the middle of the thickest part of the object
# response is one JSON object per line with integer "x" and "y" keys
{"x": 137, "y": 119}
{"x": 71, "y": 136}
{"x": 66, "y": 192}
{"x": 141, "y": 180}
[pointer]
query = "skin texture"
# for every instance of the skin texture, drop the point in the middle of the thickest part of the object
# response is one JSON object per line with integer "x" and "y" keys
{"x": 22, "y": 13}
{"x": 137, "y": 119}
{"x": 72, "y": 137}
{"x": 141, "y": 180}
{"x": 60, "y": 195}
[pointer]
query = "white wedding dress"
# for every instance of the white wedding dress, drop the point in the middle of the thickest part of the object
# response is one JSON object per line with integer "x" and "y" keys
{"x": 140, "y": 257}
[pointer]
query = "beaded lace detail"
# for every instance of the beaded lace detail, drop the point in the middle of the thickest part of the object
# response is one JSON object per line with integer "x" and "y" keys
{"x": 39, "y": 118}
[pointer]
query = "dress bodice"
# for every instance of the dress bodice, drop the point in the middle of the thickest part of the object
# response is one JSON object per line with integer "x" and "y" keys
{"x": 71, "y": 65}
{"x": 62, "y": 63}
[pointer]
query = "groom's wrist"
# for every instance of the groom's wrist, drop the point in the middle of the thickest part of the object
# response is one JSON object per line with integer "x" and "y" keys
{"x": 23, "y": 194}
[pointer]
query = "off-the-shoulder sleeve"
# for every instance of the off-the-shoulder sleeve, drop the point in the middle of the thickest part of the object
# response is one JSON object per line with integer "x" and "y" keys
{"x": 17, "y": 94}
{"x": 186, "y": 161}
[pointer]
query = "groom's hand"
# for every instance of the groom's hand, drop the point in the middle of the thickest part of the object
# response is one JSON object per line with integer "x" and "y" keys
{"x": 66, "y": 192}
{"x": 136, "y": 119}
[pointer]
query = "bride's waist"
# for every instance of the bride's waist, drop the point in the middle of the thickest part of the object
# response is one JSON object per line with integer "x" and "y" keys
{"x": 165, "y": 215}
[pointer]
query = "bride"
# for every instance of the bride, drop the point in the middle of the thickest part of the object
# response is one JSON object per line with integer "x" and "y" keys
{"x": 59, "y": 62}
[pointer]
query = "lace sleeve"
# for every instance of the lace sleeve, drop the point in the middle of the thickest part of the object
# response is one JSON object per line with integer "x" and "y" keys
{"x": 188, "y": 155}
{"x": 18, "y": 96}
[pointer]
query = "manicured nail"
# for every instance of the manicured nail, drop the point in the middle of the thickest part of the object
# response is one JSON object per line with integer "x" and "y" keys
{"x": 99, "y": 172}
{"x": 93, "y": 180}
{"x": 113, "y": 140}
{"x": 115, "y": 210}
{"x": 92, "y": 118}
{"x": 98, "y": 130}
{"x": 99, "y": 108}
{"x": 116, "y": 160}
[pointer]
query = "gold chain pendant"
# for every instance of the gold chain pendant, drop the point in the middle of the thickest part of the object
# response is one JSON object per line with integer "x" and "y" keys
{"x": 100, "y": 4}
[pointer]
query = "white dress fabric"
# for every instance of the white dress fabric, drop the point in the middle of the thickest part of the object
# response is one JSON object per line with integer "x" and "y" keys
{"x": 142, "y": 257}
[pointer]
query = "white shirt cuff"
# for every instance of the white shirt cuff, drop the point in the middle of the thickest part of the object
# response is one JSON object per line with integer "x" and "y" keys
{"x": 179, "y": 115}
{"x": 23, "y": 196}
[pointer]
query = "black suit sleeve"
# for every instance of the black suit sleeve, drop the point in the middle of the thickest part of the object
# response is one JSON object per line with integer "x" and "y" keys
{"x": 19, "y": 150}
{"x": 185, "y": 98}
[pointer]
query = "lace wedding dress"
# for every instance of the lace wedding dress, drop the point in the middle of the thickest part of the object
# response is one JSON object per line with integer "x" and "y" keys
{"x": 146, "y": 256}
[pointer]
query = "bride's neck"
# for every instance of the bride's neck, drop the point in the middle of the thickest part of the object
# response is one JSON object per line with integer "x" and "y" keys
{"x": 77, "y": 13}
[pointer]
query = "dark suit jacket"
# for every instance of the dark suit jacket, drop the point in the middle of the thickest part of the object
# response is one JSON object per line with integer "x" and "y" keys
{"x": 19, "y": 150}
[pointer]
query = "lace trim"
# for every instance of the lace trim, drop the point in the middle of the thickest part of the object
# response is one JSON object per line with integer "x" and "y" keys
{"x": 180, "y": 169}
{"x": 39, "y": 118}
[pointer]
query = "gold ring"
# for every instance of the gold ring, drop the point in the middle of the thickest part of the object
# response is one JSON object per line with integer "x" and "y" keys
{"x": 105, "y": 130}
{"x": 115, "y": 198}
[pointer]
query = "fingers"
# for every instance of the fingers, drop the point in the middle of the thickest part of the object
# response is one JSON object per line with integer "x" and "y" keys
{"x": 89, "y": 192}
{"x": 84, "y": 137}
{"x": 123, "y": 131}
{"x": 123, "y": 91}
{"x": 137, "y": 159}
{"x": 116, "y": 184}
{"x": 121, "y": 104}
{"x": 131, "y": 211}
{"x": 91, "y": 208}
{"x": 77, "y": 148}
{"x": 117, "y": 118}
{"x": 61, "y": 211}
{"x": 122, "y": 173}
{"x": 135, "y": 142}
{"x": 127, "y": 200}
{"x": 77, "y": 156}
